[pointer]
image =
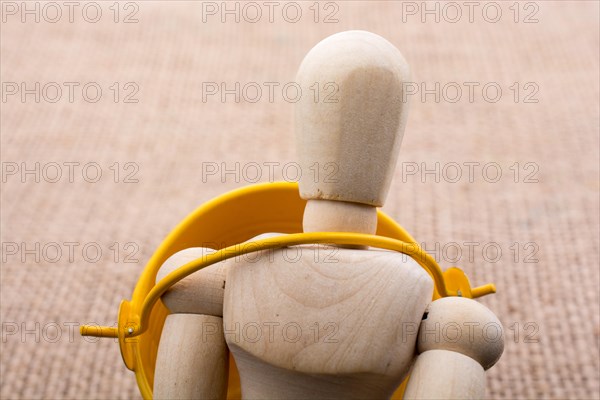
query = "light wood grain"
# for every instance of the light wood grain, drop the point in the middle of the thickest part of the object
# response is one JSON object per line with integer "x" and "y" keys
{"x": 192, "y": 360}
{"x": 199, "y": 293}
{"x": 465, "y": 326}
{"x": 331, "y": 320}
{"x": 339, "y": 216}
{"x": 459, "y": 338}
{"x": 348, "y": 144}
{"x": 444, "y": 374}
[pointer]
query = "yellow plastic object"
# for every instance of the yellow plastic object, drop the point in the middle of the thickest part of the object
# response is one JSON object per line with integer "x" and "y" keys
{"x": 223, "y": 224}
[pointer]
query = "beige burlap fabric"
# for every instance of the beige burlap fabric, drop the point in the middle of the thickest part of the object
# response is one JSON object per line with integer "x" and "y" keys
{"x": 532, "y": 116}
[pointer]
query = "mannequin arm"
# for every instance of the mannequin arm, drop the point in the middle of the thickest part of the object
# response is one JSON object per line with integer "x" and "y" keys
{"x": 459, "y": 339}
{"x": 193, "y": 358}
{"x": 443, "y": 374}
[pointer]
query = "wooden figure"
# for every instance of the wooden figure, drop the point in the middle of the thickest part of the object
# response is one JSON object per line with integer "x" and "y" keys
{"x": 317, "y": 321}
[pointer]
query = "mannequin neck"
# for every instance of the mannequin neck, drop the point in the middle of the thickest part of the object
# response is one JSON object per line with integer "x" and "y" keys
{"x": 339, "y": 216}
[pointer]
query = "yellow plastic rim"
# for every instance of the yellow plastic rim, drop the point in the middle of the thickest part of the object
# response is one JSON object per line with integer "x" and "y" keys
{"x": 226, "y": 223}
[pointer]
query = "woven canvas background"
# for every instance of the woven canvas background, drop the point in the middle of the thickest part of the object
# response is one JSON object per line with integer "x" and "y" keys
{"x": 548, "y": 301}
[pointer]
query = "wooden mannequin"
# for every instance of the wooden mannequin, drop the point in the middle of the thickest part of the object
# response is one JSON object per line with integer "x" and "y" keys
{"x": 317, "y": 322}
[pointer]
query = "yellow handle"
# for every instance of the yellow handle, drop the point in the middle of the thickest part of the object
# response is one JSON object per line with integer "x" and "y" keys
{"x": 411, "y": 249}
{"x": 483, "y": 290}
{"x": 99, "y": 331}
